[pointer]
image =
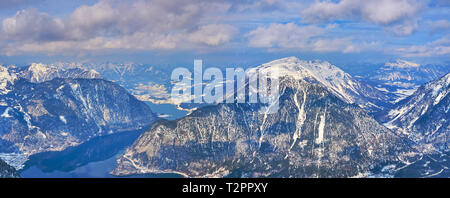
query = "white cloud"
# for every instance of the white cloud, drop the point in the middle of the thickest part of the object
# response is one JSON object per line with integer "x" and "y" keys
{"x": 404, "y": 29}
{"x": 32, "y": 25}
{"x": 213, "y": 34}
{"x": 125, "y": 17}
{"x": 204, "y": 25}
{"x": 207, "y": 35}
{"x": 378, "y": 11}
{"x": 440, "y": 47}
{"x": 109, "y": 24}
{"x": 88, "y": 21}
{"x": 402, "y": 14}
{"x": 287, "y": 35}
{"x": 303, "y": 38}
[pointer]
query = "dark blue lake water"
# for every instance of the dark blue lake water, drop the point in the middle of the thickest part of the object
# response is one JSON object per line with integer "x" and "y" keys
{"x": 92, "y": 159}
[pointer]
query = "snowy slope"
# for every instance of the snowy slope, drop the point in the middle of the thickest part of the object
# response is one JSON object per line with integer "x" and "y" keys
{"x": 334, "y": 79}
{"x": 38, "y": 72}
{"x": 424, "y": 115}
{"x": 402, "y": 64}
{"x": 48, "y": 108}
{"x": 6, "y": 79}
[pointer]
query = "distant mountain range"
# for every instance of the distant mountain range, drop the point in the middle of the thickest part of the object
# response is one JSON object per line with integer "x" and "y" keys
{"x": 399, "y": 79}
{"x": 320, "y": 130}
{"x": 49, "y": 109}
{"x": 38, "y": 72}
{"x": 146, "y": 82}
{"x": 424, "y": 116}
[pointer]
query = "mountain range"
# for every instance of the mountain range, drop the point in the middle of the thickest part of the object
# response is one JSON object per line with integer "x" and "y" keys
{"x": 146, "y": 82}
{"x": 392, "y": 122}
{"x": 320, "y": 130}
{"x": 398, "y": 79}
{"x": 46, "y": 110}
{"x": 423, "y": 116}
{"x": 38, "y": 72}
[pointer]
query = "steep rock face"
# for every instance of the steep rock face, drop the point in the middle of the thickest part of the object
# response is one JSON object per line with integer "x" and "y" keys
{"x": 424, "y": 115}
{"x": 313, "y": 134}
{"x": 59, "y": 113}
{"x": 6, "y": 171}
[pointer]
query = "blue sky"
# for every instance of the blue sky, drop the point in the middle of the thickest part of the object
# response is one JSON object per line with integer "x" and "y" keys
{"x": 224, "y": 31}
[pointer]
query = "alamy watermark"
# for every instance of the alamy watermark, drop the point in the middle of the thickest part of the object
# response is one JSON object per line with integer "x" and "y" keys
{"x": 237, "y": 86}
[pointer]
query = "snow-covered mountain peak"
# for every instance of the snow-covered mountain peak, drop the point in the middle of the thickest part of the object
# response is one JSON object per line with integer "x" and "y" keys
{"x": 93, "y": 72}
{"x": 6, "y": 78}
{"x": 330, "y": 76}
{"x": 402, "y": 64}
{"x": 40, "y": 67}
{"x": 290, "y": 66}
{"x": 38, "y": 72}
{"x": 294, "y": 67}
{"x": 3, "y": 69}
